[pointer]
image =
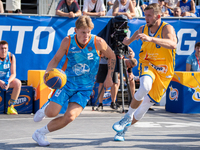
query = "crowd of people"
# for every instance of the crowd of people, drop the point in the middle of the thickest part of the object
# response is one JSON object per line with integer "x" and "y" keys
{"x": 130, "y": 8}
{"x": 12, "y": 6}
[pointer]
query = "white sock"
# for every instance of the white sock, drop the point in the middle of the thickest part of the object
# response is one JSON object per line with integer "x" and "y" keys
{"x": 44, "y": 130}
{"x": 131, "y": 112}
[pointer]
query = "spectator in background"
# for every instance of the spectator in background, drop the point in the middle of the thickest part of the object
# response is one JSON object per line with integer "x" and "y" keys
{"x": 13, "y": 5}
{"x": 153, "y": 1}
{"x": 141, "y": 4}
{"x": 177, "y": 12}
{"x": 171, "y": 4}
{"x": 94, "y": 8}
{"x": 1, "y": 7}
{"x": 8, "y": 76}
{"x": 121, "y": 7}
{"x": 68, "y": 8}
{"x": 110, "y": 4}
{"x": 18, "y": 11}
{"x": 164, "y": 9}
{"x": 187, "y": 8}
{"x": 101, "y": 76}
{"x": 192, "y": 62}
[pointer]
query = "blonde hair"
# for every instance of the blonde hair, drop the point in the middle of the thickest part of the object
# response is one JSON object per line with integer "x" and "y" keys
{"x": 84, "y": 21}
{"x": 133, "y": 61}
{"x": 156, "y": 8}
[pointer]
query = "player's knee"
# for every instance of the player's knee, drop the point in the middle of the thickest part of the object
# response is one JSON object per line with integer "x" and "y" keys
{"x": 50, "y": 113}
{"x": 70, "y": 117}
{"x": 145, "y": 87}
{"x": 17, "y": 84}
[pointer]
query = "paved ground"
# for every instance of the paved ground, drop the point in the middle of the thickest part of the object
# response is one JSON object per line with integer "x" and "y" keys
{"x": 158, "y": 130}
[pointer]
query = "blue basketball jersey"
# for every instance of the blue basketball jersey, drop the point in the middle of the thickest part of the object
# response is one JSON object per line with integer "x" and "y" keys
{"x": 81, "y": 64}
{"x": 5, "y": 67}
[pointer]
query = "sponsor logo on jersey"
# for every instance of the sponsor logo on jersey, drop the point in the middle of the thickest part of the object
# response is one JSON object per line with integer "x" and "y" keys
{"x": 80, "y": 69}
{"x": 89, "y": 49}
{"x": 75, "y": 52}
{"x": 73, "y": 48}
{"x": 160, "y": 68}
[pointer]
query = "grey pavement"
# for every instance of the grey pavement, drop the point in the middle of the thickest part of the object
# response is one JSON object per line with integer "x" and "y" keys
{"x": 158, "y": 130}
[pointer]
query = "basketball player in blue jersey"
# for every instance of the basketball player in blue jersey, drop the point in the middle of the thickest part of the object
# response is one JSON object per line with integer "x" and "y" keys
{"x": 156, "y": 66}
{"x": 78, "y": 56}
{"x": 8, "y": 76}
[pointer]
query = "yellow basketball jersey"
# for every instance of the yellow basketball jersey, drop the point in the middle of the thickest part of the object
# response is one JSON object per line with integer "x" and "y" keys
{"x": 159, "y": 58}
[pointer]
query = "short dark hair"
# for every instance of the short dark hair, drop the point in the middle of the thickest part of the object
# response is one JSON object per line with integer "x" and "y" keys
{"x": 197, "y": 44}
{"x": 18, "y": 11}
{"x": 3, "y": 42}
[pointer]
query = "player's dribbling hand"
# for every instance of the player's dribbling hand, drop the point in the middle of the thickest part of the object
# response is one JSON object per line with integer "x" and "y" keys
{"x": 144, "y": 37}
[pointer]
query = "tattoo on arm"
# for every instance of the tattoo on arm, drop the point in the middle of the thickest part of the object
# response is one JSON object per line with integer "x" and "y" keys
{"x": 111, "y": 66}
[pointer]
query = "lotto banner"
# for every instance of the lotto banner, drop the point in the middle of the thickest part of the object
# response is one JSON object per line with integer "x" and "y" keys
{"x": 183, "y": 93}
{"x": 2, "y": 101}
{"x": 35, "y": 39}
{"x": 24, "y": 103}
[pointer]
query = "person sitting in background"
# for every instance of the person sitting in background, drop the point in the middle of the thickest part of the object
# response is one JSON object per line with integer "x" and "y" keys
{"x": 187, "y": 8}
{"x": 94, "y": 8}
{"x": 153, "y": 1}
{"x": 12, "y": 5}
{"x": 18, "y": 11}
{"x": 8, "y": 76}
{"x": 1, "y": 7}
{"x": 192, "y": 62}
{"x": 177, "y": 12}
{"x": 68, "y": 8}
{"x": 141, "y": 4}
{"x": 164, "y": 10}
{"x": 171, "y": 4}
{"x": 121, "y": 7}
{"x": 110, "y": 4}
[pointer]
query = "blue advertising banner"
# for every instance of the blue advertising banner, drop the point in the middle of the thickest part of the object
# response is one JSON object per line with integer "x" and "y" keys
{"x": 35, "y": 39}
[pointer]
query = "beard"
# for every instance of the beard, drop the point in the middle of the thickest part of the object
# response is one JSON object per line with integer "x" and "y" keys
{"x": 152, "y": 24}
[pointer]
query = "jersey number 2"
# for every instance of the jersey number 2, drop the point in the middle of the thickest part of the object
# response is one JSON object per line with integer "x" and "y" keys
{"x": 90, "y": 56}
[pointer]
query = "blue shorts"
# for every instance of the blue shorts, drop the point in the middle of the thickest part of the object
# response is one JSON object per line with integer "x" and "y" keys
{"x": 61, "y": 96}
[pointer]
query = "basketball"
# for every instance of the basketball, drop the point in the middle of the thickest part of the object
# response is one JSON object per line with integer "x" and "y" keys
{"x": 55, "y": 78}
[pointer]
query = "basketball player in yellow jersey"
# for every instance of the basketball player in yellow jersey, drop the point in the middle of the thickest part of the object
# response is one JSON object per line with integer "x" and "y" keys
{"x": 156, "y": 66}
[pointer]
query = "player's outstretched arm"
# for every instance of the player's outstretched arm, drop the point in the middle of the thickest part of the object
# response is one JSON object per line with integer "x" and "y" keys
{"x": 108, "y": 53}
{"x": 168, "y": 41}
{"x": 59, "y": 54}
{"x": 128, "y": 41}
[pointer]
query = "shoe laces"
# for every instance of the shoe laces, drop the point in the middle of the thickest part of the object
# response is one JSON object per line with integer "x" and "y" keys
{"x": 120, "y": 133}
{"x": 124, "y": 120}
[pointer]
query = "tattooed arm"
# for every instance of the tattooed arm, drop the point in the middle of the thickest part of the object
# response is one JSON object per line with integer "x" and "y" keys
{"x": 107, "y": 52}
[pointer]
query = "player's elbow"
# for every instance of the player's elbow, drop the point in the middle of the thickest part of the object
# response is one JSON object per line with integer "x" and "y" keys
{"x": 174, "y": 45}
